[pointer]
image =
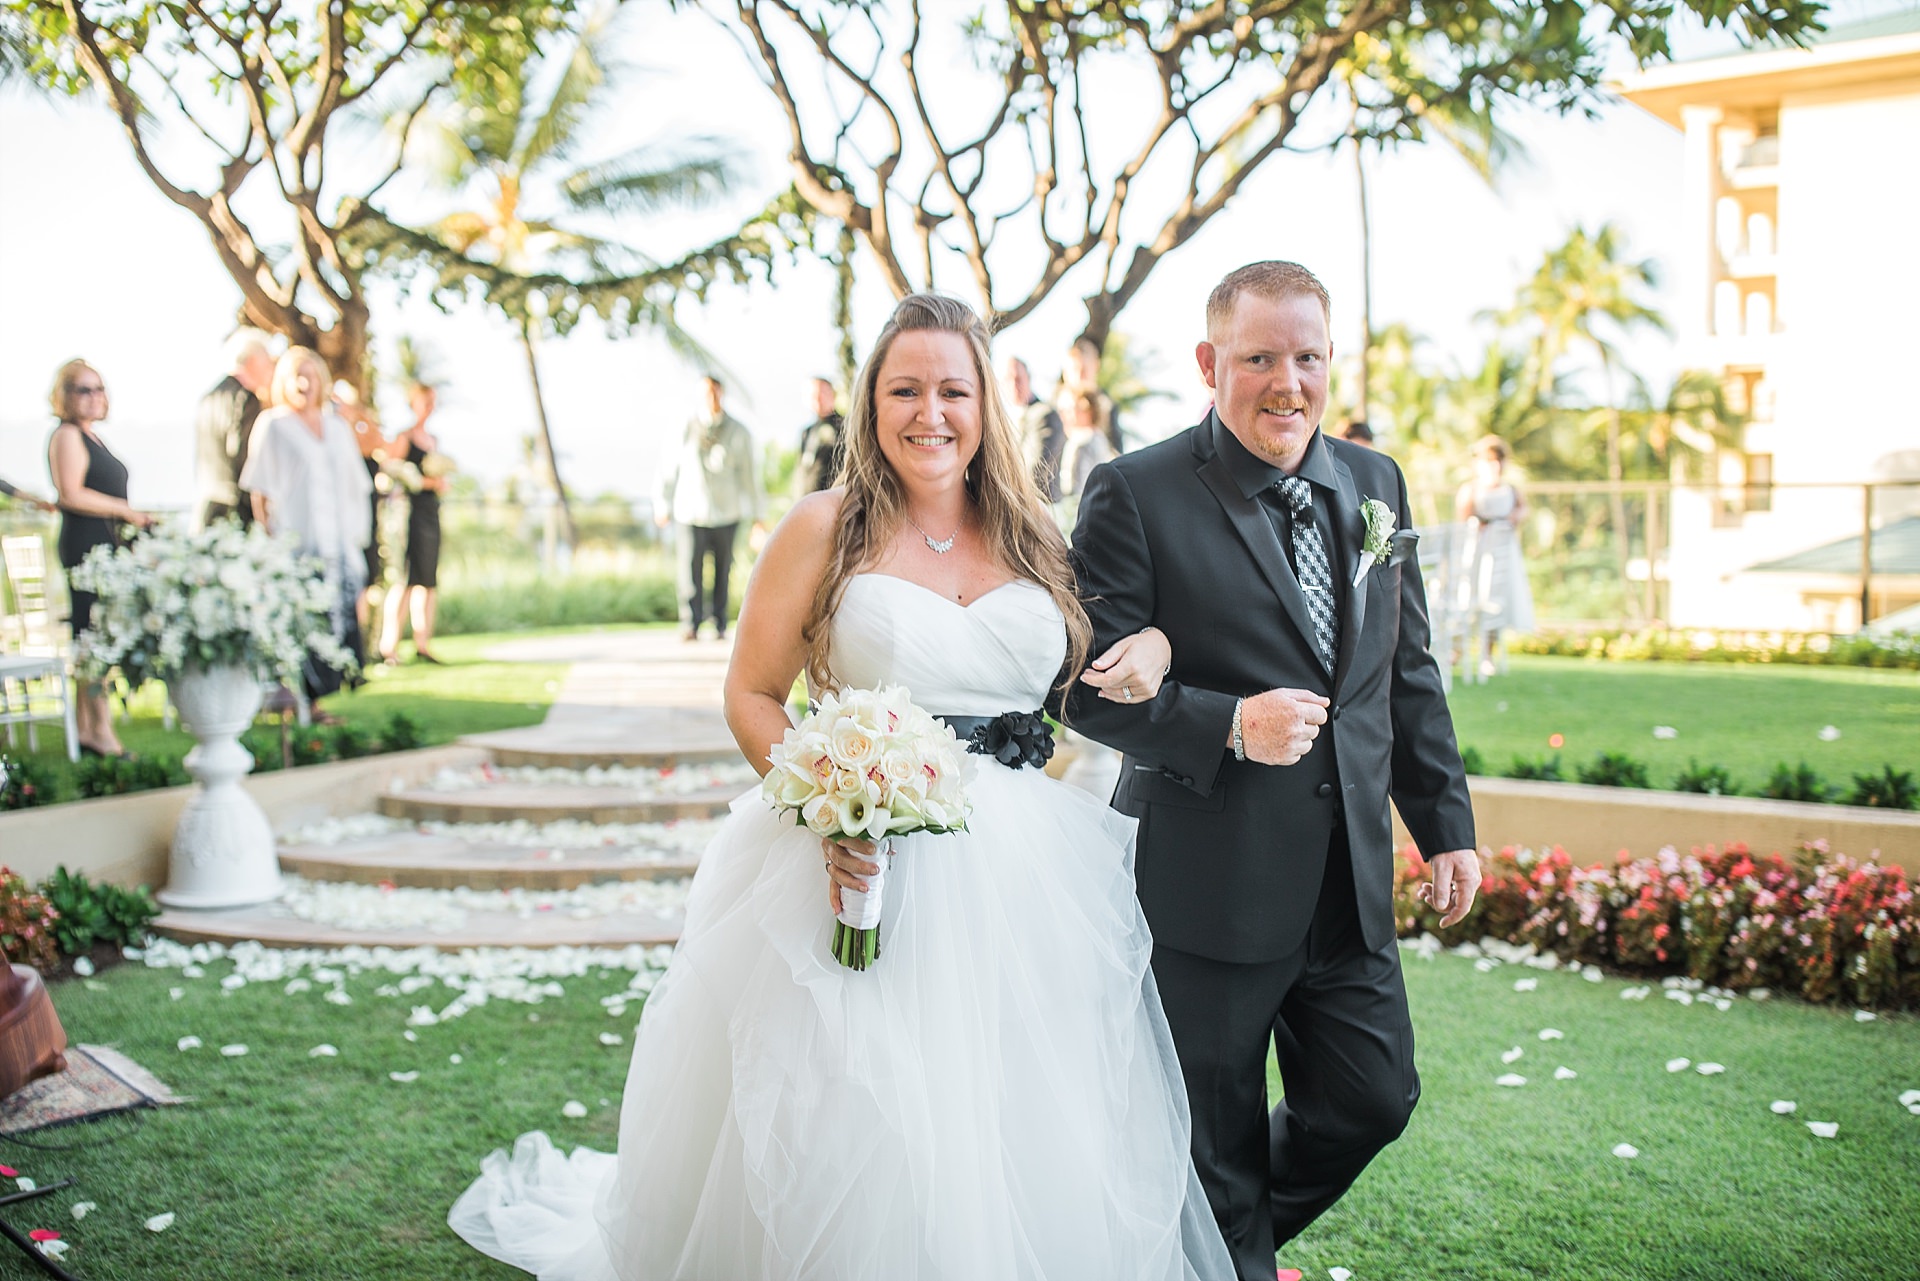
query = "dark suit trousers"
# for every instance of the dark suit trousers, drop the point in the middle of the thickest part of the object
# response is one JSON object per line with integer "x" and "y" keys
{"x": 709, "y": 543}
{"x": 1336, "y": 1014}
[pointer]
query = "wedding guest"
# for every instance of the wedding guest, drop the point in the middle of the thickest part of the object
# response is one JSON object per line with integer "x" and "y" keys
{"x": 1497, "y": 595}
{"x": 1087, "y": 444}
{"x": 375, "y": 449}
{"x": 1081, "y": 374}
{"x": 310, "y": 487}
{"x": 1358, "y": 432}
{"x": 708, "y": 487}
{"x": 421, "y": 579}
{"x": 222, "y": 427}
{"x": 1042, "y": 436}
{"x": 92, "y": 488}
{"x": 7, "y": 490}
{"x": 822, "y": 442}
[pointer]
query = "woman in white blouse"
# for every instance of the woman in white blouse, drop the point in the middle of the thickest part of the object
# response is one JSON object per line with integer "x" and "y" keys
{"x": 309, "y": 486}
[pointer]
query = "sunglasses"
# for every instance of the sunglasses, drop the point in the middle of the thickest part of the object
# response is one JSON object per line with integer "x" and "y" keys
{"x": 89, "y": 391}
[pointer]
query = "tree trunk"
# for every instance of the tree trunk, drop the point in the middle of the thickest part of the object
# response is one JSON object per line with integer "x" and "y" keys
{"x": 567, "y": 529}
{"x": 1360, "y": 409}
{"x": 1616, "y": 477}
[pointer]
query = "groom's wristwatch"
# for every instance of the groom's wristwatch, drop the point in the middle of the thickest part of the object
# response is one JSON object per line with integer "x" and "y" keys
{"x": 1239, "y": 743}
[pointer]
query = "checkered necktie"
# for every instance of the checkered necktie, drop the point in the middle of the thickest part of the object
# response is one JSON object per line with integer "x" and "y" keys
{"x": 1310, "y": 563}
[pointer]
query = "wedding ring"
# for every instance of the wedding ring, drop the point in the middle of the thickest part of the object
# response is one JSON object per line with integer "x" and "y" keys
{"x": 1127, "y": 692}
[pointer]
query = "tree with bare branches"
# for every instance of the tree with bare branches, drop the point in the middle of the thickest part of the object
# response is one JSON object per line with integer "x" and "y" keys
{"x": 278, "y": 126}
{"x": 1017, "y": 143}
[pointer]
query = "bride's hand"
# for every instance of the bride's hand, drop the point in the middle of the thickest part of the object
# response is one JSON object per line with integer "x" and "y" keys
{"x": 847, "y": 861}
{"x": 1132, "y": 670}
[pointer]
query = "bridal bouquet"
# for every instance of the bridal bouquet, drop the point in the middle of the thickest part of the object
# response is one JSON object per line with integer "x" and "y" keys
{"x": 870, "y": 765}
{"x": 222, "y": 597}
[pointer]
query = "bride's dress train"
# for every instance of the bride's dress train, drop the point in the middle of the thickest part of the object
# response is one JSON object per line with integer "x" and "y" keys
{"x": 997, "y": 1098}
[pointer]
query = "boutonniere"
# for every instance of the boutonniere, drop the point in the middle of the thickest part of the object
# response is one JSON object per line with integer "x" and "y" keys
{"x": 1378, "y": 544}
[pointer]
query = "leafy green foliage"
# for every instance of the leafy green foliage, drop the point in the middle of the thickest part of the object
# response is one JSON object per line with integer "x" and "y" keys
{"x": 24, "y": 782}
{"x": 93, "y": 912}
{"x": 1614, "y": 769}
{"x": 1545, "y": 770}
{"x": 98, "y": 776}
{"x": 1796, "y": 783}
{"x": 1472, "y": 761}
{"x": 401, "y": 733}
{"x": 1889, "y": 789}
{"x": 1706, "y": 780}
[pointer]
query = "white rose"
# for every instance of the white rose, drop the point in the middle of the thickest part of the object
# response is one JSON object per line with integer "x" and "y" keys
{"x": 820, "y": 816}
{"x": 855, "y": 745}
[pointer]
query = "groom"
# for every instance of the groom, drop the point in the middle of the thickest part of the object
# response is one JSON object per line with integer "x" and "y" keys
{"x": 1301, "y": 699}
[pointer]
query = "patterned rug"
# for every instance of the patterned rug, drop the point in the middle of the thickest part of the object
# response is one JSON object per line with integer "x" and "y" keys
{"x": 98, "y": 1081}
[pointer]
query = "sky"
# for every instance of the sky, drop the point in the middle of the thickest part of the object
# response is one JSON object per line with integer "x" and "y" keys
{"x": 95, "y": 262}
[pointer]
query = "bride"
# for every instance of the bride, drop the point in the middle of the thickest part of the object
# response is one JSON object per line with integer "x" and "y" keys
{"x": 998, "y": 1096}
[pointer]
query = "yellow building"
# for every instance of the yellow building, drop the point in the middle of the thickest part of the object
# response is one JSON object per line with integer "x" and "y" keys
{"x": 1801, "y": 287}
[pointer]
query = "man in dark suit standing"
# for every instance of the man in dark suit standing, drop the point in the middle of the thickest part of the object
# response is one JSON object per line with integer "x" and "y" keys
{"x": 1301, "y": 699}
{"x": 222, "y": 427}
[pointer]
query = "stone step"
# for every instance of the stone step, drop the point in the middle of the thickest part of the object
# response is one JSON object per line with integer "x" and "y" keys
{"x": 331, "y": 914}
{"x": 649, "y": 737}
{"x": 262, "y": 925}
{"x": 374, "y": 851}
{"x": 547, "y": 803}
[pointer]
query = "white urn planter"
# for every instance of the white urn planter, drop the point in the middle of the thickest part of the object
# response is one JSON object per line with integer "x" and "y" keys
{"x": 223, "y": 851}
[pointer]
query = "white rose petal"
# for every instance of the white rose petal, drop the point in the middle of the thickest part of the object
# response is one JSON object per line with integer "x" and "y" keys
{"x": 454, "y": 1059}
{"x": 323, "y": 1052}
{"x": 160, "y": 1222}
{"x": 1626, "y": 1151}
{"x": 1711, "y": 1069}
{"x": 1824, "y": 1129}
{"x": 81, "y": 1209}
{"x": 1564, "y": 1074}
{"x": 338, "y": 996}
{"x": 1512, "y": 1056}
{"x": 295, "y": 987}
{"x": 192, "y": 971}
{"x": 1340, "y": 1274}
{"x": 25, "y": 1184}
{"x": 83, "y": 967}
{"x": 1486, "y": 966}
{"x": 1552, "y": 1034}
{"x": 1679, "y": 1065}
{"x": 233, "y": 1051}
{"x": 233, "y": 982}
{"x": 1914, "y": 1108}
{"x": 1665, "y": 731}
{"x": 1525, "y": 985}
{"x": 1864, "y": 1016}
{"x": 1909, "y": 1098}
{"x": 1512, "y": 1080}
{"x": 574, "y": 1109}
{"x": 1828, "y": 733}
{"x": 188, "y": 1043}
{"x": 1593, "y": 975}
{"x": 175, "y": 993}
{"x": 52, "y": 1249}
{"x": 1783, "y": 1107}
{"x": 609, "y": 1038}
{"x": 403, "y": 1077}
{"x": 1675, "y": 994}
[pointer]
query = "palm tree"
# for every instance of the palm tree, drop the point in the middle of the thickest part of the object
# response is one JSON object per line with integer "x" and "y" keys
{"x": 1582, "y": 289}
{"x": 1466, "y": 127}
{"x": 525, "y": 138}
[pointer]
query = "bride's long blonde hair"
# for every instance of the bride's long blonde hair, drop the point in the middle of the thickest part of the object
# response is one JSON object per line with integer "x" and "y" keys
{"x": 1014, "y": 521}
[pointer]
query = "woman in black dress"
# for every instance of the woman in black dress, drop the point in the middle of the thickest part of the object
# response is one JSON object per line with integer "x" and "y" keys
{"x": 92, "y": 488}
{"x": 422, "y": 569}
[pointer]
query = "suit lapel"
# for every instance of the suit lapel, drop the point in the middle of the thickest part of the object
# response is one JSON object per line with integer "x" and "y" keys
{"x": 1256, "y": 531}
{"x": 1349, "y": 527}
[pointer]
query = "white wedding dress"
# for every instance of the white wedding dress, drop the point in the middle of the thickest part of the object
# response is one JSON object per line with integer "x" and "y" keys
{"x": 997, "y": 1098}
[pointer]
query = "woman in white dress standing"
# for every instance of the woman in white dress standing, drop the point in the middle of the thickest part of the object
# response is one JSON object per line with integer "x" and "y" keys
{"x": 997, "y": 1097}
{"x": 310, "y": 486}
{"x": 1498, "y": 598}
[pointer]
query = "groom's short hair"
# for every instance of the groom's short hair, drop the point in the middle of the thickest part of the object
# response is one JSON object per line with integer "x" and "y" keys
{"x": 1274, "y": 281}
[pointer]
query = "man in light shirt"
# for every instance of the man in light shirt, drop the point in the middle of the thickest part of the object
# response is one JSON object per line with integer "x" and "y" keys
{"x": 709, "y": 486}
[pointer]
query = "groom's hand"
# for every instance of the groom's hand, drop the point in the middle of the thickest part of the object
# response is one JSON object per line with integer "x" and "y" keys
{"x": 1456, "y": 880}
{"x": 1279, "y": 726}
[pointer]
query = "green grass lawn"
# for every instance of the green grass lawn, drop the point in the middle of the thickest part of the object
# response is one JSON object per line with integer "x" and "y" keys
{"x": 1746, "y": 717}
{"x": 466, "y": 696}
{"x": 287, "y": 1166}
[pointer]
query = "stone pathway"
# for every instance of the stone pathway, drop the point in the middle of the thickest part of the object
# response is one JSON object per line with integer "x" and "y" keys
{"x": 622, "y": 784}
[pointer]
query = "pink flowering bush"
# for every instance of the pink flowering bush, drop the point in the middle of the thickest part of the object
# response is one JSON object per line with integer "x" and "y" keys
{"x": 1842, "y": 931}
{"x": 26, "y": 923}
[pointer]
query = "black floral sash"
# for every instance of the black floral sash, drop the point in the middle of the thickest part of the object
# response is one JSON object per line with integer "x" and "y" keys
{"x": 1012, "y": 738}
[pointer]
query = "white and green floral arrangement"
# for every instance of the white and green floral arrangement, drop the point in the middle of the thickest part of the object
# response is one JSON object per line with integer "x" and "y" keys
{"x": 173, "y": 600}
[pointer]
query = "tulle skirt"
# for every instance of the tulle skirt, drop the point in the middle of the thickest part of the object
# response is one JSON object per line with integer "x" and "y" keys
{"x": 996, "y": 1098}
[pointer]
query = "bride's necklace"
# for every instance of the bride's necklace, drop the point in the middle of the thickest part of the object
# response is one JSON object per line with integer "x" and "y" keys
{"x": 938, "y": 546}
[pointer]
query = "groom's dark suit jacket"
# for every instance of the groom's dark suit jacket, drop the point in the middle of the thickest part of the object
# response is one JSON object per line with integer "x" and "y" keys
{"x": 1231, "y": 853}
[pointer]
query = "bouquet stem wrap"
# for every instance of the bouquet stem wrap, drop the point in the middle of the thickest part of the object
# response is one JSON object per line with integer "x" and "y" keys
{"x": 856, "y": 930}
